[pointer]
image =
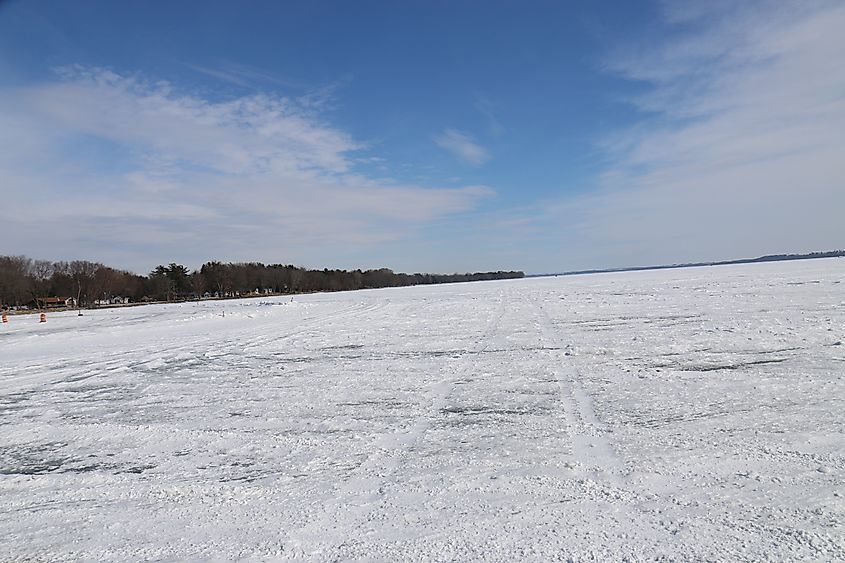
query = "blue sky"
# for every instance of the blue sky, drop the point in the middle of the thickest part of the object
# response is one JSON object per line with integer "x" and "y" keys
{"x": 422, "y": 136}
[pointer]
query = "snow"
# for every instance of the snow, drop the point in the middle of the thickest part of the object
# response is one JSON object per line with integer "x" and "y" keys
{"x": 691, "y": 414}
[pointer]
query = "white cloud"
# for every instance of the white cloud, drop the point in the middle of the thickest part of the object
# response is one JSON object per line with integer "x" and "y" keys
{"x": 462, "y": 146}
{"x": 742, "y": 154}
{"x": 108, "y": 165}
{"x": 487, "y": 108}
{"x": 244, "y": 76}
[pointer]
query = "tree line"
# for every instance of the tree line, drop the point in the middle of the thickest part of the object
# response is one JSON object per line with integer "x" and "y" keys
{"x": 25, "y": 282}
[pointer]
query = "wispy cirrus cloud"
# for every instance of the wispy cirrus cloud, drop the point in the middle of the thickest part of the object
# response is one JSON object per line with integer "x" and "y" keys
{"x": 140, "y": 172}
{"x": 488, "y": 108}
{"x": 245, "y": 76}
{"x": 739, "y": 150}
{"x": 462, "y": 146}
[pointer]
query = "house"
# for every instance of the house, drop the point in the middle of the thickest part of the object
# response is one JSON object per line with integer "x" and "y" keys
{"x": 117, "y": 300}
{"x": 52, "y": 303}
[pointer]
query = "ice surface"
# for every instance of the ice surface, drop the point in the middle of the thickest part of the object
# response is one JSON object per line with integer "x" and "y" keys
{"x": 685, "y": 414}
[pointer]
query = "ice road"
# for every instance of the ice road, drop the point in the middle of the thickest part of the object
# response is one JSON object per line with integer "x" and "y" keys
{"x": 693, "y": 414}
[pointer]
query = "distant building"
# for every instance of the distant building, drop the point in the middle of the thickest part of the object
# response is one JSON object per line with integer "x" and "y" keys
{"x": 52, "y": 302}
{"x": 118, "y": 300}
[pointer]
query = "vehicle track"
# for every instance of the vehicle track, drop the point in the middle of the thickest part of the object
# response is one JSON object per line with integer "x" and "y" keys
{"x": 226, "y": 343}
{"x": 359, "y": 500}
{"x": 591, "y": 444}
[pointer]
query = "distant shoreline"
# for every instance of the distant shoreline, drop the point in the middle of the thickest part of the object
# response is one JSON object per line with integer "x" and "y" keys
{"x": 767, "y": 258}
{"x": 760, "y": 259}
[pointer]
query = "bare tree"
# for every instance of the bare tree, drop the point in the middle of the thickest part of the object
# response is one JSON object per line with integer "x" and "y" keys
{"x": 14, "y": 279}
{"x": 40, "y": 274}
{"x": 82, "y": 272}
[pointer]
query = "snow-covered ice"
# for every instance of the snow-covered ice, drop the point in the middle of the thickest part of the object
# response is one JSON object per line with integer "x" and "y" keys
{"x": 692, "y": 414}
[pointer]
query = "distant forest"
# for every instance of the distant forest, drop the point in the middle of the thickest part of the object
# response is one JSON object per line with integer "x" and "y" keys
{"x": 25, "y": 282}
{"x": 767, "y": 258}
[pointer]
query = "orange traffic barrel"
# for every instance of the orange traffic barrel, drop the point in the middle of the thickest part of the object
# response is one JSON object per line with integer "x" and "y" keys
{"x": 43, "y": 318}
{"x": 5, "y": 318}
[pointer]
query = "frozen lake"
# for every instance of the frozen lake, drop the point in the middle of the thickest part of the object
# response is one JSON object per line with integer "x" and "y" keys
{"x": 687, "y": 414}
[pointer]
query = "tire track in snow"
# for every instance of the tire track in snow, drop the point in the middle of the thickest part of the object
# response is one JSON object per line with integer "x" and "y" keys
{"x": 357, "y": 501}
{"x": 618, "y": 506}
{"x": 358, "y": 310}
{"x": 30, "y": 377}
{"x": 591, "y": 445}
